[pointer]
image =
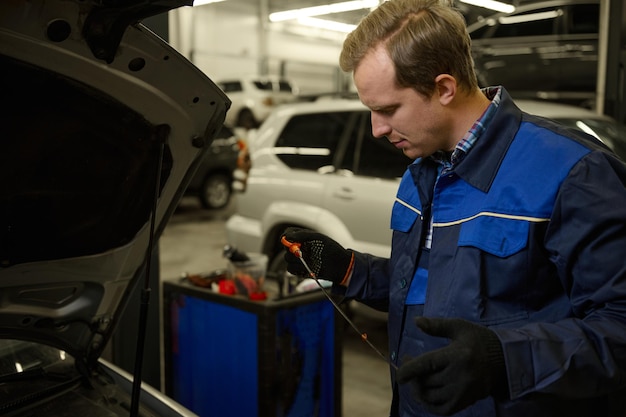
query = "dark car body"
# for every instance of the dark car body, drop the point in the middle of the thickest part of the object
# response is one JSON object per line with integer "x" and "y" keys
{"x": 103, "y": 125}
{"x": 212, "y": 182}
{"x": 544, "y": 49}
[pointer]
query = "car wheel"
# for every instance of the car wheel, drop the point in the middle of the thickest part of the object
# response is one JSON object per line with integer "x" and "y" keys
{"x": 216, "y": 191}
{"x": 277, "y": 269}
{"x": 277, "y": 266}
{"x": 277, "y": 272}
{"x": 246, "y": 119}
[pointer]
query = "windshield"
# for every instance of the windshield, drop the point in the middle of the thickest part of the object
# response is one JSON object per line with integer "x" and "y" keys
{"x": 31, "y": 372}
{"x": 17, "y": 356}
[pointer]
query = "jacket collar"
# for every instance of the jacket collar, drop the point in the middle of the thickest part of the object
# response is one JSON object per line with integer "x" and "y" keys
{"x": 480, "y": 166}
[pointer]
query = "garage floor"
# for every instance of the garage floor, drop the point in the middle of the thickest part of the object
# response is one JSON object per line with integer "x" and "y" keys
{"x": 193, "y": 242}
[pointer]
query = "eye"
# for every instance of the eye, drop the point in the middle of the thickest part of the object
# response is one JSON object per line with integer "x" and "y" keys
{"x": 387, "y": 111}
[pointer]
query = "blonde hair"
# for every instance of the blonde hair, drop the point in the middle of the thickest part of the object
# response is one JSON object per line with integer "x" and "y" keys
{"x": 424, "y": 38}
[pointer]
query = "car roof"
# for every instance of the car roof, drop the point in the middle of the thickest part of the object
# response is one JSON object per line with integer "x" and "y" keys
{"x": 321, "y": 106}
{"x": 557, "y": 110}
{"x": 539, "y": 107}
{"x": 252, "y": 78}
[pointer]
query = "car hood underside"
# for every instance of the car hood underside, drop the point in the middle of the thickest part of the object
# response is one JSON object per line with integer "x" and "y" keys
{"x": 103, "y": 127}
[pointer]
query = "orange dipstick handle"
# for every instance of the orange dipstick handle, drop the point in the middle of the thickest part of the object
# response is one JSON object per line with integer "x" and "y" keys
{"x": 292, "y": 246}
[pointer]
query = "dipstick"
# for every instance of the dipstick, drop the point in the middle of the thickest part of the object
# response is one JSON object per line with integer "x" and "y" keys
{"x": 294, "y": 248}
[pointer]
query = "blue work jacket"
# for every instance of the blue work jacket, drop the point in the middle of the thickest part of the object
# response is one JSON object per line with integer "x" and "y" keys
{"x": 529, "y": 239}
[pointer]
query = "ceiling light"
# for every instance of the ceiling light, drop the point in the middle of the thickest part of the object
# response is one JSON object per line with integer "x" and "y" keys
{"x": 203, "y": 2}
{"x": 531, "y": 17}
{"x": 491, "y": 4}
{"x": 326, "y": 24}
{"x": 323, "y": 10}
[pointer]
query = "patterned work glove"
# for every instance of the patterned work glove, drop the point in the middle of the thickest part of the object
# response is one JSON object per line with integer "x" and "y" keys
{"x": 327, "y": 259}
{"x": 452, "y": 378}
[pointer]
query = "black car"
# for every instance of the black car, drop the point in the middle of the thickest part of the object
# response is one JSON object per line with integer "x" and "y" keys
{"x": 103, "y": 125}
{"x": 213, "y": 181}
{"x": 545, "y": 49}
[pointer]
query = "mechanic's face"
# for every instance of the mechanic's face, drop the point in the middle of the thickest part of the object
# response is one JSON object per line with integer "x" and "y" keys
{"x": 410, "y": 121}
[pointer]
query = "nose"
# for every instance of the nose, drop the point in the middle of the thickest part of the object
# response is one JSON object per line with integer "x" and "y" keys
{"x": 380, "y": 127}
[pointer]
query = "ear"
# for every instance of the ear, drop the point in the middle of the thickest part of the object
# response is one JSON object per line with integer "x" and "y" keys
{"x": 446, "y": 88}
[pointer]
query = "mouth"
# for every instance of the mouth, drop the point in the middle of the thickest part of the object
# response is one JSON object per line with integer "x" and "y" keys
{"x": 398, "y": 143}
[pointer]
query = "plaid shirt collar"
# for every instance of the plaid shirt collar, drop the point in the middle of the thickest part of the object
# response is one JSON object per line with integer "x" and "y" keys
{"x": 449, "y": 161}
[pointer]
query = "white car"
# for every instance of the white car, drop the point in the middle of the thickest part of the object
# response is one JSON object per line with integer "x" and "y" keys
{"x": 253, "y": 98}
{"x": 316, "y": 165}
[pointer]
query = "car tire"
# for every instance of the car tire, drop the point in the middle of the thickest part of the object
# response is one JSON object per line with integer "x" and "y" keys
{"x": 278, "y": 266}
{"x": 216, "y": 191}
{"x": 277, "y": 270}
{"x": 247, "y": 120}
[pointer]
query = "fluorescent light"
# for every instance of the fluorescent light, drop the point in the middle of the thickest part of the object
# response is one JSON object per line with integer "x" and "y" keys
{"x": 491, "y": 4}
{"x": 322, "y": 10}
{"x": 203, "y": 2}
{"x": 531, "y": 17}
{"x": 326, "y": 24}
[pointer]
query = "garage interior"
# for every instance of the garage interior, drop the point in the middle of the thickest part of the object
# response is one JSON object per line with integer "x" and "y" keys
{"x": 238, "y": 37}
{"x": 264, "y": 47}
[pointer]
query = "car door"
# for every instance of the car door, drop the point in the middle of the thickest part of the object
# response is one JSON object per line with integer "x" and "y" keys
{"x": 363, "y": 187}
{"x": 306, "y": 147}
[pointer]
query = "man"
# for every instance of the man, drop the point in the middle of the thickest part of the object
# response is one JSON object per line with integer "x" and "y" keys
{"x": 506, "y": 286}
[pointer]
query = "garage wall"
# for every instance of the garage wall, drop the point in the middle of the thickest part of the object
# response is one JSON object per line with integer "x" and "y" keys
{"x": 225, "y": 40}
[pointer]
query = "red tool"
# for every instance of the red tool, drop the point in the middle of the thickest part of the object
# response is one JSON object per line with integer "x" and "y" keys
{"x": 294, "y": 248}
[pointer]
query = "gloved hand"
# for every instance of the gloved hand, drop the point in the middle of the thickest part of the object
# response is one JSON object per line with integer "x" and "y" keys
{"x": 327, "y": 259}
{"x": 452, "y": 378}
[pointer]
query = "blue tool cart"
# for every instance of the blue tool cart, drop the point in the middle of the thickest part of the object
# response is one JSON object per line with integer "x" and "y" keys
{"x": 228, "y": 356}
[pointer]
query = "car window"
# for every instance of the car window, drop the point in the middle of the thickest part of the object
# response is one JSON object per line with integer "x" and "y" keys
{"x": 17, "y": 355}
{"x": 284, "y": 86}
{"x": 309, "y": 141}
{"x": 263, "y": 85}
{"x": 373, "y": 157}
{"x": 584, "y": 18}
{"x": 534, "y": 23}
{"x": 231, "y": 86}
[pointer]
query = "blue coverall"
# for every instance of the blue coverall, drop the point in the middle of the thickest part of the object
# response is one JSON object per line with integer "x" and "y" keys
{"x": 529, "y": 239}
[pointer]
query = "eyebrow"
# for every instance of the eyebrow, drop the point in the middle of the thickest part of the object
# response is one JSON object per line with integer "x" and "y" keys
{"x": 384, "y": 108}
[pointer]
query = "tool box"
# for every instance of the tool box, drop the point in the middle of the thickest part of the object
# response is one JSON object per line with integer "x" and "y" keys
{"x": 231, "y": 356}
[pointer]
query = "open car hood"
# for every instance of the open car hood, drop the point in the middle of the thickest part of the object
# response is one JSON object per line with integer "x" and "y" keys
{"x": 102, "y": 122}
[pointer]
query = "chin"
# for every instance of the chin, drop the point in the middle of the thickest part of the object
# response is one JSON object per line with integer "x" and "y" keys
{"x": 413, "y": 154}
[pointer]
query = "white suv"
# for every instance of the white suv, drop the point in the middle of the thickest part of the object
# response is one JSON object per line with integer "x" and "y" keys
{"x": 316, "y": 165}
{"x": 253, "y": 98}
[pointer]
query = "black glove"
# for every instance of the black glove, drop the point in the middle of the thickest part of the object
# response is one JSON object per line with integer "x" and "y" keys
{"x": 327, "y": 259}
{"x": 452, "y": 378}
